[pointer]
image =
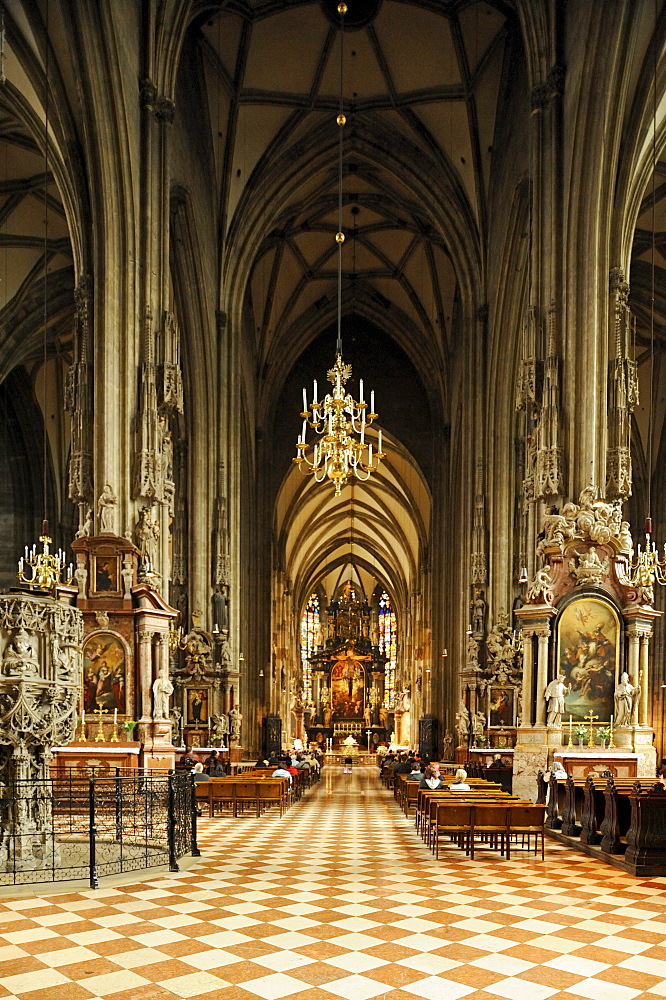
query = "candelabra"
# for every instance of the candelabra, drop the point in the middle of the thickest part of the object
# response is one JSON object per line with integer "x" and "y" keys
{"x": 46, "y": 566}
{"x": 647, "y": 568}
{"x": 340, "y": 422}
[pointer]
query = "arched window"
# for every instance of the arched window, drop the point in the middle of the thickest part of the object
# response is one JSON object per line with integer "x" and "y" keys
{"x": 309, "y": 640}
{"x": 388, "y": 644}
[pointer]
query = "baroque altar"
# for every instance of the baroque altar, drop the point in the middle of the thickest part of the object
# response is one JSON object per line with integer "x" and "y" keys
{"x": 585, "y": 631}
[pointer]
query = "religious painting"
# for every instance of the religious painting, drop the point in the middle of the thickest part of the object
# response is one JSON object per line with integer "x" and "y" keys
{"x": 588, "y": 634}
{"x": 501, "y": 712}
{"x": 348, "y": 686}
{"x": 106, "y": 577}
{"x": 196, "y": 706}
{"x": 104, "y": 673}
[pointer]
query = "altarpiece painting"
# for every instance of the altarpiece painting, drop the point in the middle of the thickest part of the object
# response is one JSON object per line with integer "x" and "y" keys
{"x": 588, "y": 634}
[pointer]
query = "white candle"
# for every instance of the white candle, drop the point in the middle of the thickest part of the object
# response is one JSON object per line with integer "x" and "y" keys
{"x": 83, "y": 717}
{"x": 305, "y": 401}
{"x": 360, "y": 390}
{"x": 115, "y": 716}
{"x": 372, "y": 401}
{"x": 370, "y": 453}
{"x": 315, "y": 390}
{"x": 570, "y": 722}
{"x": 380, "y": 440}
{"x": 611, "y": 722}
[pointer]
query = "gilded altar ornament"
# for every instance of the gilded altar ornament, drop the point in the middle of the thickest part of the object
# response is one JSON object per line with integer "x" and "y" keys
{"x": 47, "y": 567}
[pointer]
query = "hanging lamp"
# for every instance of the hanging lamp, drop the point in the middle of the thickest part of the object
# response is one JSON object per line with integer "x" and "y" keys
{"x": 340, "y": 451}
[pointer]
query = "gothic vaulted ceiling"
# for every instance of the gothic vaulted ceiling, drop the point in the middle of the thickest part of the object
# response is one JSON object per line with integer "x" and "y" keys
{"x": 421, "y": 82}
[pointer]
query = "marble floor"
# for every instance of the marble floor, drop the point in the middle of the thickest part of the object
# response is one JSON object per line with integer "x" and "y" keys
{"x": 340, "y": 898}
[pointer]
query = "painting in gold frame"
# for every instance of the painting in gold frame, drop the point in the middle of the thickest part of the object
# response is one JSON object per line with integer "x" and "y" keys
{"x": 588, "y": 646}
{"x": 106, "y": 576}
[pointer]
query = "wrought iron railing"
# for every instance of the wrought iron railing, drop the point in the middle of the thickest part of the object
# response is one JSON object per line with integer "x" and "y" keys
{"x": 91, "y": 824}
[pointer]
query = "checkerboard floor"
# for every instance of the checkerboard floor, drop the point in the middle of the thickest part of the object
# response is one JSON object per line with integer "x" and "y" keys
{"x": 339, "y": 898}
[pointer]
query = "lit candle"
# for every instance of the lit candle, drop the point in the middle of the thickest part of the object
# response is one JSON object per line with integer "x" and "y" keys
{"x": 315, "y": 391}
{"x": 570, "y": 724}
{"x": 303, "y": 431}
{"x": 83, "y": 717}
{"x": 370, "y": 453}
{"x": 380, "y": 441}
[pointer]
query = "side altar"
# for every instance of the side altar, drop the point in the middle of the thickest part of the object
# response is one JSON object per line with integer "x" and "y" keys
{"x": 585, "y": 632}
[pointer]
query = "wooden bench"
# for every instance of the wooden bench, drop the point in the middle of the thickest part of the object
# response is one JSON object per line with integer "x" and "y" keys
{"x": 496, "y": 821}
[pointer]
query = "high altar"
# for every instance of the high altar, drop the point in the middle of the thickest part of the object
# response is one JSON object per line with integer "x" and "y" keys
{"x": 585, "y": 633}
{"x": 348, "y": 677}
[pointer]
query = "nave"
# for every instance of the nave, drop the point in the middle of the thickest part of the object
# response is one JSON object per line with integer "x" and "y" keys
{"x": 339, "y": 898}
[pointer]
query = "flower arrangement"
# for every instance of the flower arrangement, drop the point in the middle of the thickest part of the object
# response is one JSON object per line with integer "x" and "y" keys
{"x": 581, "y": 732}
{"x": 128, "y": 727}
{"x": 603, "y": 732}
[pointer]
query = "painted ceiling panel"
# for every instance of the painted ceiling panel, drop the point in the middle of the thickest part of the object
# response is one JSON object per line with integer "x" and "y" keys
{"x": 224, "y": 34}
{"x": 418, "y": 47}
{"x": 285, "y": 50}
{"x": 362, "y": 74}
{"x": 256, "y": 127}
{"x": 479, "y": 25}
{"x": 448, "y": 123}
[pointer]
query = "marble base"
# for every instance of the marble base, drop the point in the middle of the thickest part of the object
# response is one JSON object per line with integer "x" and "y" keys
{"x": 528, "y": 760}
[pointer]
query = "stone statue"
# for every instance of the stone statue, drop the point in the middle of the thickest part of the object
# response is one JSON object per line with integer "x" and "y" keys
{"x": 478, "y": 613}
{"x": 625, "y": 539}
{"x": 383, "y": 716}
{"x": 81, "y": 574}
{"x": 462, "y": 719}
{"x": 162, "y": 691}
{"x": 367, "y": 715}
{"x": 478, "y": 724}
{"x": 625, "y": 700}
{"x": 106, "y": 511}
{"x": 225, "y": 653}
{"x": 406, "y": 700}
{"x": 220, "y": 601}
{"x": 175, "y": 715}
{"x": 88, "y": 527}
{"x": 19, "y": 656}
{"x": 147, "y": 534}
{"x": 538, "y": 591}
{"x": 448, "y": 746}
{"x": 328, "y": 716}
{"x": 590, "y": 568}
{"x": 324, "y": 694}
{"x": 235, "y": 720}
{"x": 220, "y": 725}
{"x": 555, "y": 694}
{"x": 127, "y": 574}
{"x": 472, "y": 653}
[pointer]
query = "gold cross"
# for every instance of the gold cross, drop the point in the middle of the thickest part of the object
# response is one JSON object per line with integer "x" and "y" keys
{"x": 590, "y": 717}
{"x": 99, "y": 738}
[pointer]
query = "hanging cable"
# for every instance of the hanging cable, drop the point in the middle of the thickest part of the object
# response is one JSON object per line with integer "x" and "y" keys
{"x": 342, "y": 119}
{"x": 46, "y": 258}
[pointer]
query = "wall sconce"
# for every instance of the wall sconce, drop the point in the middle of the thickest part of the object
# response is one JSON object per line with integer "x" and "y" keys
{"x": 523, "y": 578}
{"x": 445, "y": 653}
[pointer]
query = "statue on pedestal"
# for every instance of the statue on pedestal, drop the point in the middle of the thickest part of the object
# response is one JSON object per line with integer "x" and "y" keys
{"x": 106, "y": 511}
{"x": 162, "y": 691}
{"x": 626, "y": 697}
{"x": 555, "y": 694}
{"x": 235, "y": 720}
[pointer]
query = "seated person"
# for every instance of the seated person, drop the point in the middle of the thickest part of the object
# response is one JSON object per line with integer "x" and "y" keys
{"x": 262, "y": 762}
{"x": 405, "y": 765}
{"x": 210, "y": 761}
{"x": 661, "y": 780}
{"x": 189, "y": 758}
{"x": 416, "y": 774}
{"x": 460, "y": 784}
{"x": 431, "y": 778}
{"x": 199, "y": 773}
{"x": 281, "y": 771}
{"x": 217, "y": 770}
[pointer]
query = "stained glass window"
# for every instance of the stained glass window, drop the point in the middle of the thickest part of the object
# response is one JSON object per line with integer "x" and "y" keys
{"x": 388, "y": 644}
{"x": 309, "y": 639}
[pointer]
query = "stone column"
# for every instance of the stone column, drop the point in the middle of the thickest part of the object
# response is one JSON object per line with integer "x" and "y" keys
{"x": 633, "y": 656}
{"x": 528, "y": 668}
{"x": 145, "y": 674}
{"x": 644, "y": 676}
{"x": 542, "y": 675}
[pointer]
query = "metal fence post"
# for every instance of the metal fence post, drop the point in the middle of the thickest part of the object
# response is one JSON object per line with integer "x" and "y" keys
{"x": 94, "y": 881}
{"x": 196, "y": 853}
{"x": 171, "y": 824}
{"x": 119, "y": 808}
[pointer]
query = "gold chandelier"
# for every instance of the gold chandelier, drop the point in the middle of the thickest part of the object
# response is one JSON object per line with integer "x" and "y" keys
{"x": 647, "y": 568}
{"x": 46, "y": 566}
{"x": 341, "y": 452}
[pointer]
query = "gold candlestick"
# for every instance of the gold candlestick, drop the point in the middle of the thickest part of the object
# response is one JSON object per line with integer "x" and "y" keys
{"x": 114, "y": 734}
{"x": 611, "y": 742}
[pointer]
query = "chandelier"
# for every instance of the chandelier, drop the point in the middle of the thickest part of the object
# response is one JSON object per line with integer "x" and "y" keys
{"x": 46, "y": 566}
{"x": 647, "y": 568}
{"x": 340, "y": 451}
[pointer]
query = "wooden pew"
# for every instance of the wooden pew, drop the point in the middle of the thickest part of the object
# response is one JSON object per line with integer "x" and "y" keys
{"x": 617, "y": 813}
{"x": 646, "y": 837}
